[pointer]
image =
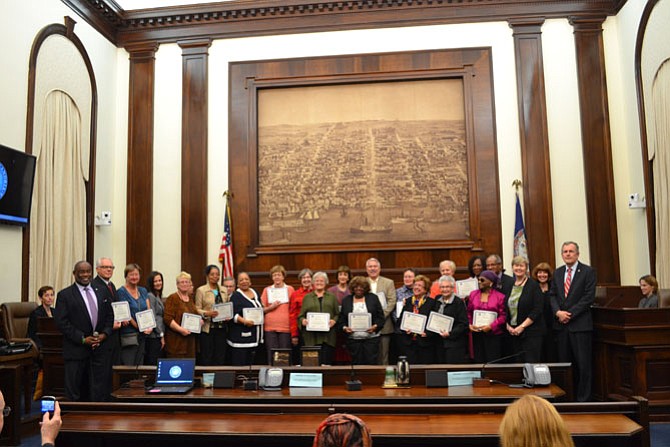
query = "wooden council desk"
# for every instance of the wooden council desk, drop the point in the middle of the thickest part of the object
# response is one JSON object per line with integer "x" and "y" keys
{"x": 615, "y": 424}
{"x": 496, "y": 393}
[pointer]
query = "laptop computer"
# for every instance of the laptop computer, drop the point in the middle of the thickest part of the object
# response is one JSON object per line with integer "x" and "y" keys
{"x": 173, "y": 376}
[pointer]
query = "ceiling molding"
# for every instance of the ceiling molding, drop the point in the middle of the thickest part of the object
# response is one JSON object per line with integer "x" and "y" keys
{"x": 267, "y": 17}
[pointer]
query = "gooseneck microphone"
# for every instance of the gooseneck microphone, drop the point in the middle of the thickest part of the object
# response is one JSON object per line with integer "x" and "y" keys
{"x": 484, "y": 382}
{"x": 353, "y": 384}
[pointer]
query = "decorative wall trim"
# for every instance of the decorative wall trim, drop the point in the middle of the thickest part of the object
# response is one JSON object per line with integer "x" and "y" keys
{"x": 266, "y": 17}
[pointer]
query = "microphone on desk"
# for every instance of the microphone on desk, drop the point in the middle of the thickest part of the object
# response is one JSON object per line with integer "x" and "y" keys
{"x": 484, "y": 382}
{"x": 353, "y": 384}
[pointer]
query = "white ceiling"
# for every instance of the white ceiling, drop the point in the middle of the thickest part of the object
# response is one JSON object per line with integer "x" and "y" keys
{"x": 143, "y": 4}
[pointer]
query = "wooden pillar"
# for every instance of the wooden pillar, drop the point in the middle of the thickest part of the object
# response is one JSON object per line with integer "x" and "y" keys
{"x": 194, "y": 156}
{"x": 537, "y": 196}
{"x": 597, "y": 149}
{"x": 139, "y": 207}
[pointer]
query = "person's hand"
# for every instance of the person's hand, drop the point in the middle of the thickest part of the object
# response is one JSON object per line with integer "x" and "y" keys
{"x": 295, "y": 341}
{"x": 444, "y": 334}
{"x": 373, "y": 329}
{"x": 563, "y": 316}
{"x": 486, "y": 328}
{"x": 248, "y": 323}
{"x": 117, "y": 326}
{"x": 331, "y": 323}
{"x": 148, "y": 331}
{"x": 347, "y": 330}
{"x": 474, "y": 328}
{"x": 162, "y": 342}
{"x": 185, "y": 332}
{"x": 51, "y": 425}
{"x": 304, "y": 322}
{"x": 212, "y": 313}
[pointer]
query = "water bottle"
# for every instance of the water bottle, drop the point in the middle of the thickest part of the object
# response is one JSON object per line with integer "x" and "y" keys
{"x": 403, "y": 371}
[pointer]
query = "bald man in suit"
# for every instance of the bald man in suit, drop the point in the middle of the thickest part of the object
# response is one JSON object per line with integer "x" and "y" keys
{"x": 85, "y": 318}
{"x": 573, "y": 290}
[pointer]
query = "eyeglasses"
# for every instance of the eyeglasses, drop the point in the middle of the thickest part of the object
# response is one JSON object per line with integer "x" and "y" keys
{"x": 6, "y": 411}
{"x": 482, "y": 279}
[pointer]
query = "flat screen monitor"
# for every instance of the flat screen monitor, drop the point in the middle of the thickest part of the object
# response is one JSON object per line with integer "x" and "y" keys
{"x": 17, "y": 173}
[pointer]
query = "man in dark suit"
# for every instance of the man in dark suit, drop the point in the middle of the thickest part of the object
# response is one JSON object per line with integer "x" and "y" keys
{"x": 505, "y": 282}
{"x": 103, "y": 286}
{"x": 573, "y": 290}
{"x": 85, "y": 318}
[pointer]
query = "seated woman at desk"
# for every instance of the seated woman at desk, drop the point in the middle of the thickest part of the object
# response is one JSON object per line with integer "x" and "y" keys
{"x": 363, "y": 345}
{"x": 321, "y": 301}
{"x": 419, "y": 348}
{"x": 531, "y": 422}
{"x": 649, "y": 289}
{"x": 45, "y": 310}
{"x": 245, "y": 334}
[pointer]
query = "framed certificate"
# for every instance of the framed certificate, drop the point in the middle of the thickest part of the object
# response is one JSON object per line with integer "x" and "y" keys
{"x": 318, "y": 321}
{"x": 254, "y": 314}
{"x": 145, "y": 320}
{"x": 225, "y": 311}
{"x": 121, "y": 311}
{"x": 277, "y": 294}
{"x": 191, "y": 322}
{"x": 483, "y": 317}
{"x": 360, "y": 321}
{"x": 465, "y": 286}
{"x": 439, "y": 323}
{"x": 412, "y": 322}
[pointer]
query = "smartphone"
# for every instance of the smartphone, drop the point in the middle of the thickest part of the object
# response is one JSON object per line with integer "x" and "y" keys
{"x": 48, "y": 404}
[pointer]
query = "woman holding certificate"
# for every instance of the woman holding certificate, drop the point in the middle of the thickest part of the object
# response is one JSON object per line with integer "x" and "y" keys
{"x": 486, "y": 314}
{"x": 317, "y": 318}
{"x": 208, "y": 299}
{"x": 181, "y": 320}
{"x": 417, "y": 344}
{"x": 275, "y": 299}
{"x": 155, "y": 342}
{"x": 453, "y": 341}
{"x": 525, "y": 318}
{"x": 246, "y": 328}
{"x": 132, "y": 339}
{"x": 361, "y": 318}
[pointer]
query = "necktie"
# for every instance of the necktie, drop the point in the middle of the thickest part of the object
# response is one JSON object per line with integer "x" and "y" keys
{"x": 93, "y": 306}
{"x": 568, "y": 280}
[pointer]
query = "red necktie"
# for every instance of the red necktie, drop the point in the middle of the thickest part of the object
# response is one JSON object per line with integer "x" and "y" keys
{"x": 568, "y": 280}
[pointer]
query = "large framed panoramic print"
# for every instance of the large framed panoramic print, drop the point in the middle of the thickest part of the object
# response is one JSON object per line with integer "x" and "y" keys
{"x": 368, "y": 152}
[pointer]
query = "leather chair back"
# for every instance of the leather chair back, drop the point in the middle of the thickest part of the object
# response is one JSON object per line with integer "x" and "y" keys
{"x": 15, "y": 318}
{"x": 663, "y": 297}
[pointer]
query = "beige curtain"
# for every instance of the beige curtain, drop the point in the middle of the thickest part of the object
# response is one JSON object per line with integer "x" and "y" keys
{"x": 58, "y": 224}
{"x": 660, "y": 93}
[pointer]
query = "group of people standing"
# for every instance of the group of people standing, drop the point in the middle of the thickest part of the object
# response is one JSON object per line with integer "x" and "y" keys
{"x": 541, "y": 316}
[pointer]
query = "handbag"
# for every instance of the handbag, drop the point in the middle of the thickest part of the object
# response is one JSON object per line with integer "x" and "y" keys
{"x": 129, "y": 340}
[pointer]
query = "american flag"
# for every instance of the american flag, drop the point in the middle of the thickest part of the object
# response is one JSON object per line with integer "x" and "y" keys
{"x": 226, "y": 250}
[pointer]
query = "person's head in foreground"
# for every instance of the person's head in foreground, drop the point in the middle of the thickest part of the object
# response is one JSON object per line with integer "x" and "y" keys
{"x": 342, "y": 430}
{"x": 533, "y": 422}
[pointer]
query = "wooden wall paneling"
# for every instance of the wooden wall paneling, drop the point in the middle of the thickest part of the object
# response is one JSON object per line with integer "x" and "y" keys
{"x": 474, "y": 65}
{"x": 194, "y": 155}
{"x": 537, "y": 195}
{"x": 597, "y": 149}
{"x": 139, "y": 207}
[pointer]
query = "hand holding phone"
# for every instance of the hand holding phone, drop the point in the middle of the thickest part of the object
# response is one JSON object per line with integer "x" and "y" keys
{"x": 48, "y": 404}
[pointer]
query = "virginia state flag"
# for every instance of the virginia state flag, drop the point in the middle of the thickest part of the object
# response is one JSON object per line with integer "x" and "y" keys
{"x": 520, "y": 243}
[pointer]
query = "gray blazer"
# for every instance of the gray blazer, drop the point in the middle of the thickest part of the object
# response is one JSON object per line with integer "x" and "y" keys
{"x": 157, "y": 306}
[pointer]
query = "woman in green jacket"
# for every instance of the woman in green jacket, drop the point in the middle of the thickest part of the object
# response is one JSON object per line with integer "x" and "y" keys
{"x": 318, "y": 329}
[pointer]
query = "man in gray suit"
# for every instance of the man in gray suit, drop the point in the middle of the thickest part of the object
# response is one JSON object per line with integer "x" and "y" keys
{"x": 384, "y": 288}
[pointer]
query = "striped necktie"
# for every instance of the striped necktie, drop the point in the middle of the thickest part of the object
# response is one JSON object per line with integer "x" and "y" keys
{"x": 568, "y": 281}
